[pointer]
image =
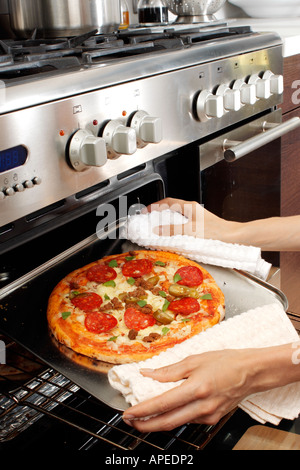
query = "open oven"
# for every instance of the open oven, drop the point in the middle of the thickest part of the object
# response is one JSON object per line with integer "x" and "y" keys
{"x": 122, "y": 119}
{"x": 46, "y": 393}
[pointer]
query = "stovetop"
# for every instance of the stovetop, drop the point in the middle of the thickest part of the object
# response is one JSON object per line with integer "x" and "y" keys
{"x": 29, "y": 56}
{"x": 34, "y": 67}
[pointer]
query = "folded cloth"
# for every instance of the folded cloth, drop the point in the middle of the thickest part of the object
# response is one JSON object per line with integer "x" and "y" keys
{"x": 139, "y": 230}
{"x": 257, "y": 328}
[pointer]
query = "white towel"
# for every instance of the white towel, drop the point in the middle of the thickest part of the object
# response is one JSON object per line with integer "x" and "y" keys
{"x": 260, "y": 327}
{"x": 139, "y": 230}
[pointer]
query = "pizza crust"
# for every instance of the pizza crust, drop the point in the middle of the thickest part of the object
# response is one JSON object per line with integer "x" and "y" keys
{"x": 114, "y": 347}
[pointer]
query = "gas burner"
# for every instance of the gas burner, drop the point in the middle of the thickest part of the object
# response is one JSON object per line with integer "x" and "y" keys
{"x": 20, "y": 58}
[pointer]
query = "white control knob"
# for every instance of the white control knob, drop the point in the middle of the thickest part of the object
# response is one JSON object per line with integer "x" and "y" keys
{"x": 37, "y": 180}
{"x": 9, "y": 192}
{"x": 231, "y": 98}
{"x": 87, "y": 150}
{"x": 148, "y": 129}
{"x": 263, "y": 86}
{"x": 209, "y": 106}
{"x": 276, "y": 82}
{"x": 28, "y": 184}
{"x": 19, "y": 188}
{"x": 120, "y": 140}
{"x": 247, "y": 91}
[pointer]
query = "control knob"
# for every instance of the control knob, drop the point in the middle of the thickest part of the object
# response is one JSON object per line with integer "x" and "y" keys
{"x": 209, "y": 106}
{"x": 247, "y": 91}
{"x": 120, "y": 140}
{"x": 19, "y": 188}
{"x": 263, "y": 86}
{"x": 9, "y": 192}
{"x": 276, "y": 82}
{"x": 148, "y": 129}
{"x": 231, "y": 98}
{"x": 87, "y": 150}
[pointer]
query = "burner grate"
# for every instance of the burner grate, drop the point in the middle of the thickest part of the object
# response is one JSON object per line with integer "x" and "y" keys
{"x": 48, "y": 393}
{"x": 29, "y": 56}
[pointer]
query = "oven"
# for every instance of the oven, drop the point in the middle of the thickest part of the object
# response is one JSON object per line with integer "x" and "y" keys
{"x": 107, "y": 122}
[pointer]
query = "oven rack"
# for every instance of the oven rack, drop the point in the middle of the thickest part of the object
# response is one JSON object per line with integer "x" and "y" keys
{"x": 49, "y": 393}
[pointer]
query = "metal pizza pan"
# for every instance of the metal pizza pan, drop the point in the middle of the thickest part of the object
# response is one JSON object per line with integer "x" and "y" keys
{"x": 23, "y": 306}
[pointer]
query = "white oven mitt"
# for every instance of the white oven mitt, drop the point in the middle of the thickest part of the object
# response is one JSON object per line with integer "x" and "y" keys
{"x": 139, "y": 230}
{"x": 260, "y": 327}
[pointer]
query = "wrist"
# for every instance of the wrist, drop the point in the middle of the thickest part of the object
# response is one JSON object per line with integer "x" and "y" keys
{"x": 246, "y": 233}
{"x": 270, "y": 368}
{"x": 267, "y": 234}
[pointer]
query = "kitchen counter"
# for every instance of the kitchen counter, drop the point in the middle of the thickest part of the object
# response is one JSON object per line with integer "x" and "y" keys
{"x": 287, "y": 28}
{"x": 236, "y": 432}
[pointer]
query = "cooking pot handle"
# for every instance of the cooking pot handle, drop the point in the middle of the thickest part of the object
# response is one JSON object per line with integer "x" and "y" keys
{"x": 233, "y": 150}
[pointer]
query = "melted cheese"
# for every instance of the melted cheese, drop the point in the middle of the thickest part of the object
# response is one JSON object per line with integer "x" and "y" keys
{"x": 120, "y": 332}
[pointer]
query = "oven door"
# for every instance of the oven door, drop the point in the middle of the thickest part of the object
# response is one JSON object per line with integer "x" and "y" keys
{"x": 240, "y": 171}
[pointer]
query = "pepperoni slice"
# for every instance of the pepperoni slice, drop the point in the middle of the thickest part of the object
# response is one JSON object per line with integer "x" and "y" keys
{"x": 99, "y": 322}
{"x": 101, "y": 273}
{"x": 191, "y": 276}
{"x": 137, "y": 268}
{"x": 87, "y": 301}
{"x": 184, "y": 306}
{"x": 137, "y": 320}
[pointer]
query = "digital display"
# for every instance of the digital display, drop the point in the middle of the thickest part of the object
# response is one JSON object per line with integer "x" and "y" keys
{"x": 12, "y": 158}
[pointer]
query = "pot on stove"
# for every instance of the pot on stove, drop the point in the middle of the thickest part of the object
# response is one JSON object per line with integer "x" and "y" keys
{"x": 63, "y": 18}
{"x": 194, "y": 11}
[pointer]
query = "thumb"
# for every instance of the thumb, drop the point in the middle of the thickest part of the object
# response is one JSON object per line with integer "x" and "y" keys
{"x": 171, "y": 373}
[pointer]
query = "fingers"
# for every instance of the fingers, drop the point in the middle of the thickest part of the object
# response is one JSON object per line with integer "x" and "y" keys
{"x": 176, "y": 205}
{"x": 164, "y": 204}
{"x": 173, "y": 399}
{"x": 170, "y": 230}
{"x": 174, "y": 372}
{"x": 162, "y": 404}
{"x": 165, "y": 422}
{"x": 195, "y": 411}
{"x": 193, "y": 225}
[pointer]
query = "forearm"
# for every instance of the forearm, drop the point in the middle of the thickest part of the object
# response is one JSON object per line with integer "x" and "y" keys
{"x": 273, "y": 234}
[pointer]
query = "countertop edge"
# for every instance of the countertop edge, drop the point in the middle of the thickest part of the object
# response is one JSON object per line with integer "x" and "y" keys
{"x": 287, "y": 28}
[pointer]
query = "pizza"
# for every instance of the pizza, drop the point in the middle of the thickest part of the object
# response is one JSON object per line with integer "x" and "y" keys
{"x": 131, "y": 306}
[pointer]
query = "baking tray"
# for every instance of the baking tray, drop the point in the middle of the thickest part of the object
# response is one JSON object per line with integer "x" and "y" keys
{"x": 23, "y": 305}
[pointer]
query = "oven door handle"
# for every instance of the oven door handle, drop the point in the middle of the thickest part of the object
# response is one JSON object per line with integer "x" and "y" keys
{"x": 233, "y": 150}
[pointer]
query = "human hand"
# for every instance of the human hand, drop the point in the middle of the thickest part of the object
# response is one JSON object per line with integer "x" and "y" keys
{"x": 216, "y": 382}
{"x": 200, "y": 222}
